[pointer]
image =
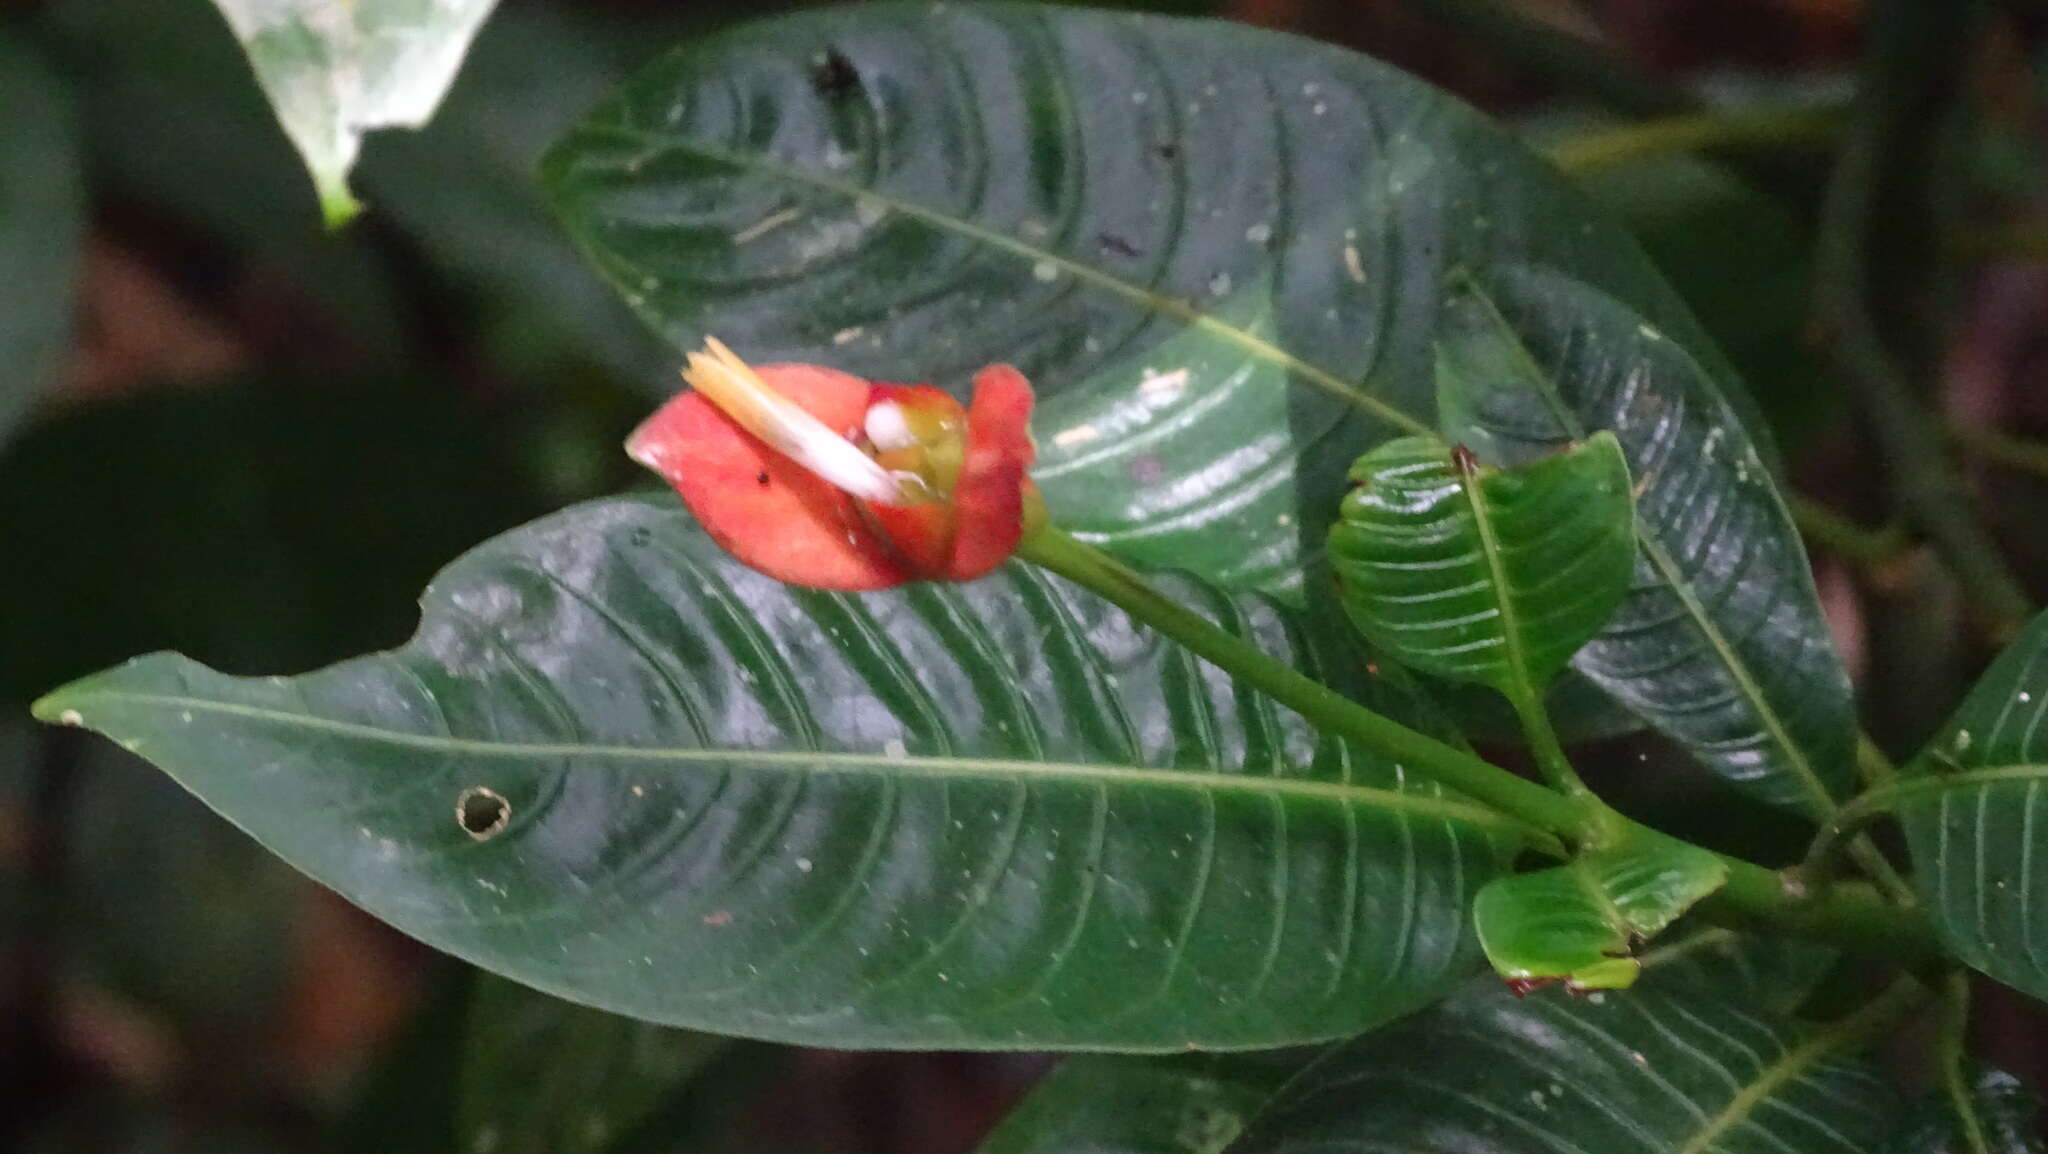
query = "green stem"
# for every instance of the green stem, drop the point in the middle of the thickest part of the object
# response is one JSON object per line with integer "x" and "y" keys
{"x": 1876, "y": 769}
{"x": 1915, "y": 56}
{"x": 2001, "y": 449}
{"x": 1327, "y": 710}
{"x": 1543, "y": 743}
{"x": 1838, "y": 534}
{"x": 1852, "y": 915}
{"x": 1607, "y": 148}
{"x": 1951, "y": 1052}
{"x": 1843, "y": 830}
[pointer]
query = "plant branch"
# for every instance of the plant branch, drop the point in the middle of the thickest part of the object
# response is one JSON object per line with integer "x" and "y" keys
{"x": 1324, "y": 708}
{"x": 1852, "y": 915}
{"x": 1838, "y": 534}
{"x": 1951, "y": 1051}
{"x": 1916, "y": 51}
{"x": 1714, "y": 129}
{"x": 2001, "y": 448}
{"x": 1543, "y": 743}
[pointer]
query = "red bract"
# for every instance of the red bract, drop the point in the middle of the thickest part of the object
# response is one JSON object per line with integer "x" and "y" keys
{"x": 957, "y": 478}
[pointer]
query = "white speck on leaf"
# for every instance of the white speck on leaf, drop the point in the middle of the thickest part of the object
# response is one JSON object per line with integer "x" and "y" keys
{"x": 1046, "y": 270}
{"x": 803, "y": 865}
{"x": 759, "y": 229}
{"x": 71, "y": 717}
{"x": 1354, "y": 265}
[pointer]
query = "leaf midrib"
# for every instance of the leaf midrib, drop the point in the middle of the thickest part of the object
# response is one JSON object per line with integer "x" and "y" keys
{"x": 1788, "y": 1066}
{"x": 1521, "y": 687}
{"x": 1667, "y": 569}
{"x": 1259, "y": 348}
{"x": 1251, "y": 343}
{"x": 1937, "y": 783}
{"x": 57, "y": 705}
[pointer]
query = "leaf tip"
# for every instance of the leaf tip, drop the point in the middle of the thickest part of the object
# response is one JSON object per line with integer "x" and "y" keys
{"x": 338, "y": 206}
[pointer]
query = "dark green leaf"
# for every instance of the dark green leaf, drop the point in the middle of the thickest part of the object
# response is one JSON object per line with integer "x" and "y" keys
{"x": 1679, "y": 1071}
{"x": 1769, "y": 971}
{"x": 1197, "y": 239}
{"x": 42, "y": 202}
{"x": 1120, "y": 1104}
{"x": 1584, "y": 920}
{"x": 618, "y": 766}
{"x": 335, "y": 73}
{"x": 1973, "y": 804}
{"x": 1721, "y": 645}
{"x": 544, "y": 1076}
{"x": 2006, "y": 1114}
{"x": 1483, "y": 574}
{"x": 1220, "y": 253}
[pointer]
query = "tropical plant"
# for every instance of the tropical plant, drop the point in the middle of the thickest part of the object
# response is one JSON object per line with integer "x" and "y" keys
{"x": 1304, "y": 470}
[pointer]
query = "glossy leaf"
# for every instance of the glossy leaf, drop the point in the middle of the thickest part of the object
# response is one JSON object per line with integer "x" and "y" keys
{"x": 543, "y": 1076}
{"x": 615, "y": 765}
{"x": 1583, "y": 921}
{"x": 1484, "y": 574}
{"x": 1721, "y": 644}
{"x": 1220, "y": 253}
{"x": 1975, "y": 809}
{"x": 1123, "y": 1104}
{"x": 2006, "y": 1114}
{"x": 1212, "y": 248}
{"x": 1678, "y": 1072}
{"x": 1771, "y": 972}
{"x": 336, "y": 71}
{"x": 42, "y": 212}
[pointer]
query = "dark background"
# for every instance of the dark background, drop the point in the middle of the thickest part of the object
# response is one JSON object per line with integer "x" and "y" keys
{"x": 266, "y": 438}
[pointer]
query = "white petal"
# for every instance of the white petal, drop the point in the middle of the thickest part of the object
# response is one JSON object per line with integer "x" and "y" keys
{"x": 740, "y": 393}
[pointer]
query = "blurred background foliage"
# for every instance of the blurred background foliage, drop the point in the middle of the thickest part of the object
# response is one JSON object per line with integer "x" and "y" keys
{"x": 227, "y": 431}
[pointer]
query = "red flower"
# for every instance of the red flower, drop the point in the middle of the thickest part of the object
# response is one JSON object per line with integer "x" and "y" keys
{"x": 820, "y": 478}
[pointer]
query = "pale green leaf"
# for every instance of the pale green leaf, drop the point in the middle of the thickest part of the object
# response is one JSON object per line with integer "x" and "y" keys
{"x": 1483, "y": 574}
{"x": 1584, "y": 921}
{"x": 335, "y": 70}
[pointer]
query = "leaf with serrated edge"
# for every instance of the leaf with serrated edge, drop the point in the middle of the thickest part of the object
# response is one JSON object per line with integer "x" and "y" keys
{"x": 334, "y": 71}
{"x": 1483, "y": 574}
{"x": 1721, "y": 643}
{"x": 1974, "y": 804}
{"x": 1680, "y": 1071}
{"x": 1219, "y": 253}
{"x": 994, "y": 815}
{"x": 1583, "y": 921}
